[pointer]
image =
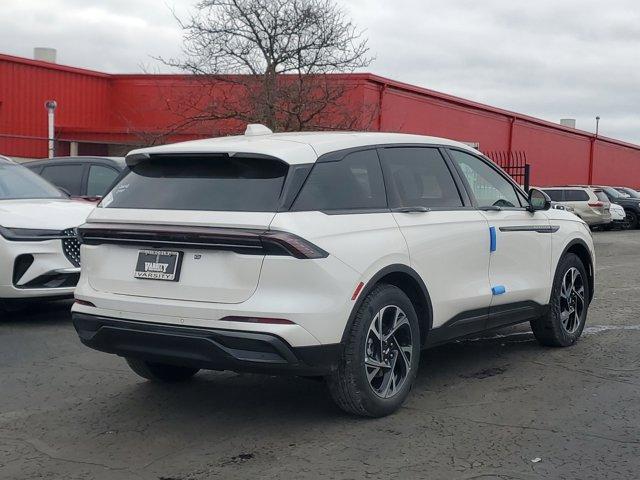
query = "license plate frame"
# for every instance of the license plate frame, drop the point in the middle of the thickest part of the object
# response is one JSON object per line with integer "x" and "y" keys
{"x": 162, "y": 265}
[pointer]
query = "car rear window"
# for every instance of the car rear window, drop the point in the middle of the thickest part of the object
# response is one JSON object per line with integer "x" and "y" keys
{"x": 213, "y": 183}
{"x": 601, "y": 195}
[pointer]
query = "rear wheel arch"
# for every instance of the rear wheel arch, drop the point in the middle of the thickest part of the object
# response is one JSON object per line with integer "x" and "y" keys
{"x": 410, "y": 282}
{"x": 579, "y": 248}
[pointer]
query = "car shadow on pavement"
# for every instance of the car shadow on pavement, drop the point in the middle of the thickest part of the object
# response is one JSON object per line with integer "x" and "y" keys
{"x": 37, "y": 312}
{"x": 238, "y": 398}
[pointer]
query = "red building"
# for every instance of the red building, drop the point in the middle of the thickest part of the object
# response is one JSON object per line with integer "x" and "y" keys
{"x": 106, "y": 114}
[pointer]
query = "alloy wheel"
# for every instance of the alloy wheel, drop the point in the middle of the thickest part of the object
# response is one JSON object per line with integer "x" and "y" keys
{"x": 572, "y": 302}
{"x": 388, "y": 351}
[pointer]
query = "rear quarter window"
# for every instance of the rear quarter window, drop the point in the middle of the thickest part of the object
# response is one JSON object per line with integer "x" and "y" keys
{"x": 353, "y": 183}
{"x": 210, "y": 183}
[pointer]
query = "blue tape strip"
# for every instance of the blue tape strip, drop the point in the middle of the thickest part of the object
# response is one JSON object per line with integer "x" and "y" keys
{"x": 498, "y": 290}
{"x": 492, "y": 239}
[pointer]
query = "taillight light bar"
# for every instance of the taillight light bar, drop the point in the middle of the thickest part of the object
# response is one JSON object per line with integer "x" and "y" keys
{"x": 596, "y": 204}
{"x": 296, "y": 246}
{"x": 246, "y": 241}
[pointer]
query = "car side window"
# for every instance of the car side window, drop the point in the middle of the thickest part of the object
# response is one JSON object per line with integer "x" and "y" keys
{"x": 489, "y": 187}
{"x": 354, "y": 182}
{"x": 100, "y": 178}
{"x": 576, "y": 195}
{"x": 555, "y": 195}
{"x": 67, "y": 176}
{"x": 418, "y": 176}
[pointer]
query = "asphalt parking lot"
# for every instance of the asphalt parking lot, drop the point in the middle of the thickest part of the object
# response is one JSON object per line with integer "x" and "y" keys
{"x": 498, "y": 407}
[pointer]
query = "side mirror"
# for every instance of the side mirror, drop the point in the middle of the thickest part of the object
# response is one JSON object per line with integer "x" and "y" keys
{"x": 538, "y": 200}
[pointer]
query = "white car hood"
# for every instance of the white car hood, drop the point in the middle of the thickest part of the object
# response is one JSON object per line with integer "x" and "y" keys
{"x": 47, "y": 214}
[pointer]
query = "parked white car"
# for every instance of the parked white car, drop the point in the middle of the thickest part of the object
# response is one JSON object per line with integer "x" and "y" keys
{"x": 618, "y": 217}
{"x": 333, "y": 254}
{"x": 39, "y": 251}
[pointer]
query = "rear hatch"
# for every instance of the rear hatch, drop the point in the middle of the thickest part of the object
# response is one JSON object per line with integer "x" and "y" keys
{"x": 184, "y": 228}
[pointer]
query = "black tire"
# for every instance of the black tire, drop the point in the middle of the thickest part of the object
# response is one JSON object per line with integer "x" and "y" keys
{"x": 161, "y": 372}
{"x": 349, "y": 386}
{"x": 631, "y": 220}
{"x": 549, "y": 329}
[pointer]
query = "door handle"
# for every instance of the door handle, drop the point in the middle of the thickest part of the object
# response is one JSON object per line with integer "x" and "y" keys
{"x": 416, "y": 209}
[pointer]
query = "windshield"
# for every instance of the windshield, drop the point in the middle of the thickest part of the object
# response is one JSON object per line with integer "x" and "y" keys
{"x": 629, "y": 192}
{"x": 17, "y": 182}
{"x": 613, "y": 193}
{"x": 201, "y": 183}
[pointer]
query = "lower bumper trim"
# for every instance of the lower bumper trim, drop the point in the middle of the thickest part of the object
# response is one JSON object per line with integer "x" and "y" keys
{"x": 212, "y": 349}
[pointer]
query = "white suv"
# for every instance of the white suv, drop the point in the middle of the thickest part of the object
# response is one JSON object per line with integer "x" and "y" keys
{"x": 322, "y": 254}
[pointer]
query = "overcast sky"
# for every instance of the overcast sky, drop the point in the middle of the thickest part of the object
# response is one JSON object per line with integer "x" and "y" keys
{"x": 548, "y": 58}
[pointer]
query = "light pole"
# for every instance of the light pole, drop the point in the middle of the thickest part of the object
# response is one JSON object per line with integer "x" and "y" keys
{"x": 51, "y": 105}
{"x": 597, "y": 125}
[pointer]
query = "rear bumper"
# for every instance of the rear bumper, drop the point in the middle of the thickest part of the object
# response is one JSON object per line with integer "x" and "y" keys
{"x": 212, "y": 349}
{"x": 593, "y": 219}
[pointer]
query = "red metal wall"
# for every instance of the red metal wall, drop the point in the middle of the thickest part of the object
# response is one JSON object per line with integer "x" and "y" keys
{"x": 99, "y": 109}
{"x": 25, "y": 86}
{"x": 558, "y": 155}
{"x": 616, "y": 165}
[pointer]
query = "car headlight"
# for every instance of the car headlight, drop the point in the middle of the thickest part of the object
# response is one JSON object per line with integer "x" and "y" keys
{"x": 30, "y": 234}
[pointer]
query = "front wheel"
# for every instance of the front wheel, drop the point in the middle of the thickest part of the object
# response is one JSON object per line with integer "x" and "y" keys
{"x": 381, "y": 355}
{"x": 160, "y": 372}
{"x": 630, "y": 221}
{"x": 562, "y": 325}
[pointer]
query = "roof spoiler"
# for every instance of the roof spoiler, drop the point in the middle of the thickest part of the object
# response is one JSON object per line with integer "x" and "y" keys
{"x": 135, "y": 158}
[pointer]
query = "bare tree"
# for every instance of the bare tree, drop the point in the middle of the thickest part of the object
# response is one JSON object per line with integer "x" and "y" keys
{"x": 272, "y": 62}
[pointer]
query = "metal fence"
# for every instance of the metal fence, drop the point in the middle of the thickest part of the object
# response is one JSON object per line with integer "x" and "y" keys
{"x": 514, "y": 163}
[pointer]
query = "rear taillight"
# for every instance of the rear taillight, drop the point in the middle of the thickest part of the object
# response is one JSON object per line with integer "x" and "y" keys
{"x": 596, "y": 204}
{"x": 273, "y": 241}
{"x": 246, "y": 241}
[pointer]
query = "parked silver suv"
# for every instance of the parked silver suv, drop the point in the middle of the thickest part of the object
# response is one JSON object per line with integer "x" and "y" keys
{"x": 590, "y": 204}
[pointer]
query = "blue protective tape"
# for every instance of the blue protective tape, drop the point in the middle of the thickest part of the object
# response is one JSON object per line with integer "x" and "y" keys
{"x": 492, "y": 239}
{"x": 498, "y": 290}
